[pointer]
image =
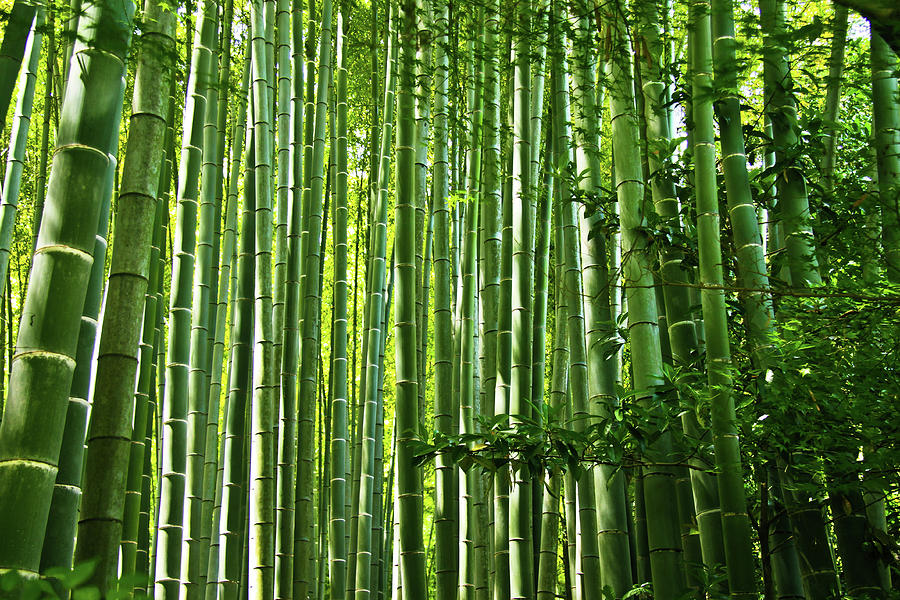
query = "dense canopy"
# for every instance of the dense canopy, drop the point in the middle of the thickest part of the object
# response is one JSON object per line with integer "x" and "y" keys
{"x": 452, "y": 300}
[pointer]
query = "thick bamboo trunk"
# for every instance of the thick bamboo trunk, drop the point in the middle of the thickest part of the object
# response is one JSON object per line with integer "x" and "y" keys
{"x": 886, "y": 115}
{"x": 31, "y": 432}
{"x": 134, "y": 274}
{"x": 658, "y": 481}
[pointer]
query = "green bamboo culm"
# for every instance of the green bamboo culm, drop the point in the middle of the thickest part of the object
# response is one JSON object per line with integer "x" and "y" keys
{"x": 729, "y": 474}
{"x": 232, "y": 519}
{"x": 175, "y": 409}
{"x": 664, "y": 536}
{"x": 155, "y": 373}
{"x": 261, "y": 506}
{"x": 136, "y": 511}
{"x": 609, "y": 485}
{"x": 572, "y": 288}
{"x": 303, "y": 500}
{"x": 195, "y": 548}
{"x": 485, "y": 58}
{"x": 751, "y": 262}
{"x": 548, "y": 558}
{"x": 521, "y": 562}
{"x": 804, "y": 509}
{"x": 228, "y": 292}
{"x": 470, "y": 529}
{"x": 339, "y": 412}
{"x": 792, "y": 207}
{"x": 698, "y": 499}
{"x": 424, "y": 69}
{"x": 282, "y": 122}
{"x": 489, "y": 298}
{"x": 501, "y": 570}
{"x": 361, "y": 541}
{"x": 109, "y": 445}
{"x": 445, "y": 528}
{"x": 50, "y": 102}
{"x": 31, "y": 432}
{"x": 409, "y": 476}
{"x": 886, "y": 115}
{"x": 15, "y": 155}
{"x": 833, "y": 83}
{"x": 70, "y": 31}
{"x": 541, "y": 234}
{"x": 285, "y": 315}
{"x": 311, "y": 258}
{"x": 221, "y": 271}
{"x": 13, "y": 51}
{"x": 290, "y": 343}
{"x": 752, "y": 271}
{"x": 62, "y": 522}
{"x": 379, "y": 520}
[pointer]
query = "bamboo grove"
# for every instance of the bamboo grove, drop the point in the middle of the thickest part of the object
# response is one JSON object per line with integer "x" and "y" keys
{"x": 532, "y": 299}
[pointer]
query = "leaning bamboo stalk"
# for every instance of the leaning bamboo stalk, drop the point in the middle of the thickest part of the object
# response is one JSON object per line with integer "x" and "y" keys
{"x": 380, "y": 183}
{"x": 14, "y": 50}
{"x": 51, "y": 105}
{"x": 658, "y": 481}
{"x": 886, "y": 116}
{"x": 698, "y": 506}
{"x": 792, "y": 207}
{"x": 368, "y": 419}
{"x": 832, "y": 91}
{"x": 15, "y": 154}
{"x": 175, "y": 405}
{"x": 134, "y": 275}
{"x": 228, "y": 278}
{"x": 195, "y": 551}
{"x": 735, "y": 523}
{"x": 219, "y": 282}
{"x": 572, "y": 289}
{"x": 31, "y": 432}
{"x": 609, "y": 486}
{"x": 146, "y": 385}
{"x": 64, "y": 510}
{"x": 423, "y": 118}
